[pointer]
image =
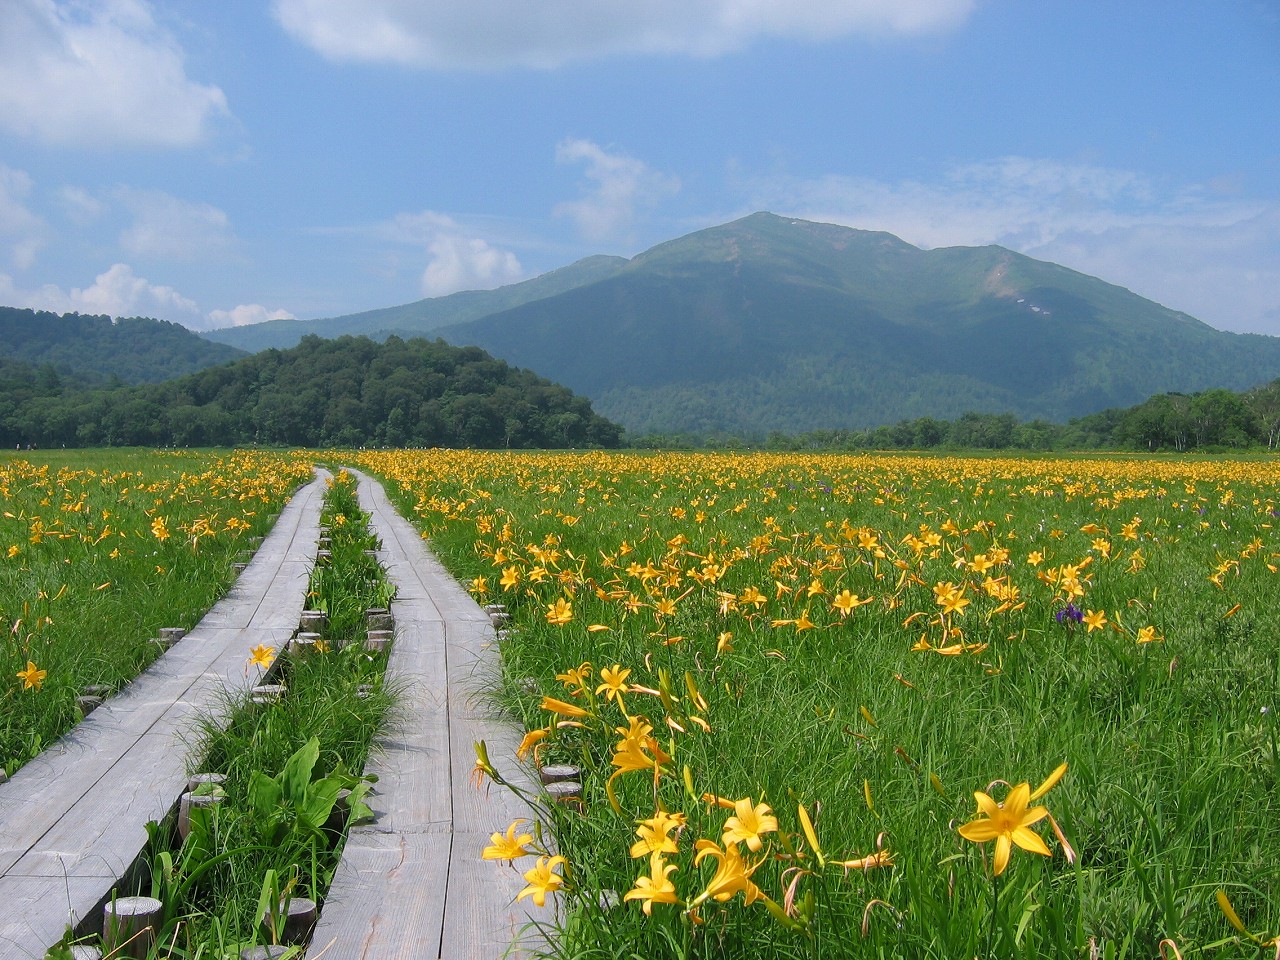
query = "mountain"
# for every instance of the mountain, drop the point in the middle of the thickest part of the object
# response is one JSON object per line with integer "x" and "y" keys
{"x": 772, "y": 323}
{"x": 91, "y": 349}
{"x": 346, "y": 392}
{"x": 423, "y": 316}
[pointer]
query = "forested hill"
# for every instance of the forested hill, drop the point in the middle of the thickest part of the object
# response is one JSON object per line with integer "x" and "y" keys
{"x": 95, "y": 349}
{"x": 345, "y": 392}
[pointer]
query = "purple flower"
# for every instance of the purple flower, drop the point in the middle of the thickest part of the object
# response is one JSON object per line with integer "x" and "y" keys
{"x": 1070, "y": 614}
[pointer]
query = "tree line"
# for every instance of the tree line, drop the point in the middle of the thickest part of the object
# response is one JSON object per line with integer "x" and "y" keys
{"x": 346, "y": 392}
{"x": 1209, "y": 421}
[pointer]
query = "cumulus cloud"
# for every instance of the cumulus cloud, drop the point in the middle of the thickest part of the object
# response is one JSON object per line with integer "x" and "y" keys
{"x": 616, "y": 186}
{"x": 1217, "y": 259}
{"x": 117, "y": 292}
{"x": 168, "y": 227}
{"x": 21, "y": 231}
{"x": 456, "y": 258}
{"x": 98, "y": 74}
{"x": 244, "y": 315}
{"x": 80, "y": 206}
{"x": 501, "y": 33}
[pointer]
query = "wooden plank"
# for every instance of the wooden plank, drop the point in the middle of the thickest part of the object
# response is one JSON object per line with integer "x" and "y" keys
{"x": 482, "y": 920}
{"x": 39, "y": 910}
{"x": 72, "y": 820}
{"x": 387, "y": 898}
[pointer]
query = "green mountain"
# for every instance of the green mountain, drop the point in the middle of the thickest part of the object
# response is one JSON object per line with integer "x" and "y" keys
{"x": 345, "y": 392}
{"x": 423, "y": 316}
{"x": 770, "y": 323}
{"x": 94, "y": 349}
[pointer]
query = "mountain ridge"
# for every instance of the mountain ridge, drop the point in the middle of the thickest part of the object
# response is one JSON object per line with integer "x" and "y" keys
{"x": 776, "y": 323}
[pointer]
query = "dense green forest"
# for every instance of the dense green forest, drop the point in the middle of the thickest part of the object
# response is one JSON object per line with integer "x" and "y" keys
{"x": 1213, "y": 420}
{"x": 345, "y": 392}
{"x": 100, "y": 350}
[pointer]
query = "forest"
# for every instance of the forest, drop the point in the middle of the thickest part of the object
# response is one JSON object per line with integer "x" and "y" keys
{"x": 346, "y": 392}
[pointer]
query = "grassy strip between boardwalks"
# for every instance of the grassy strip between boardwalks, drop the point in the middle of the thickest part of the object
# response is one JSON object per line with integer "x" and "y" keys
{"x": 277, "y": 830}
{"x": 873, "y": 706}
{"x": 98, "y": 551}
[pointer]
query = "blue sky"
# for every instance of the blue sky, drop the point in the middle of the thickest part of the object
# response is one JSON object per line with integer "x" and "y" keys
{"x": 219, "y": 163}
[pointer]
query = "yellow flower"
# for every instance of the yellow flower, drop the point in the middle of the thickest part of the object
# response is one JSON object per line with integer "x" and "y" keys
{"x": 1095, "y": 620}
{"x": 655, "y": 888}
{"x": 655, "y": 834}
{"x": 748, "y": 823}
{"x": 847, "y": 602}
{"x": 159, "y": 529}
{"x": 563, "y": 708}
{"x": 542, "y": 879}
{"x": 615, "y": 682}
{"x": 732, "y": 874}
{"x": 560, "y": 612}
{"x": 531, "y": 741}
{"x": 509, "y": 846}
{"x": 32, "y": 678}
{"x": 1007, "y": 823}
{"x": 262, "y": 655}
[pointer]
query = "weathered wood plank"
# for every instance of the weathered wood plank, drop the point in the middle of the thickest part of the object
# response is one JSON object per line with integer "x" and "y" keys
{"x": 72, "y": 820}
{"x": 387, "y": 898}
{"x": 445, "y": 651}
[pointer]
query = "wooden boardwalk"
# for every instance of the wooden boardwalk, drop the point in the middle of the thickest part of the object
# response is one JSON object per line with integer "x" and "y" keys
{"x": 72, "y": 820}
{"x": 411, "y": 883}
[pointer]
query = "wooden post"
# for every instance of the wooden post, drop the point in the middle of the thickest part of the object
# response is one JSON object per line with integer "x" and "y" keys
{"x": 185, "y": 804}
{"x": 567, "y": 793}
{"x": 267, "y": 693}
{"x": 129, "y": 926}
{"x": 379, "y": 618}
{"x": 86, "y": 705}
{"x": 299, "y": 919}
{"x": 560, "y": 773}
{"x": 312, "y": 621}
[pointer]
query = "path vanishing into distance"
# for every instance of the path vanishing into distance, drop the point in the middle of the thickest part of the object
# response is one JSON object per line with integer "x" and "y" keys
{"x": 410, "y": 883}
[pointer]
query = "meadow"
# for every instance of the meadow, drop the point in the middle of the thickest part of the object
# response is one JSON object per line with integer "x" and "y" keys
{"x": 98, "y": 551}
{"x": 876, "y": 706}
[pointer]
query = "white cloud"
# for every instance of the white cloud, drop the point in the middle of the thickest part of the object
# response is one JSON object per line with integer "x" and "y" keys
{"x": 170, "y": 228}
{"x": 98, "y": 74}
{"x": 618, "y": 184}
{"x": 548, "y": 33}
{"x": 117, "y": 292}
{"x": 243, "y": 315}
{"x": 80, "y": 205}
{"x": 456, "y": 259}
{"x": 21, "y": 231}
{"x": 1216, "y": 259}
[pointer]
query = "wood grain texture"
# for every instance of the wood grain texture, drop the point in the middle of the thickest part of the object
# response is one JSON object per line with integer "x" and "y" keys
{"x": 415, "y": 885}
{"x": 73, "y": 819}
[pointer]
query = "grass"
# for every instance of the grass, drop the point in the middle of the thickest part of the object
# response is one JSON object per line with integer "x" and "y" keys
{"x": 100, "y": 550}
{"x": 882, "y": 723}
{"x": 263, "y": 842}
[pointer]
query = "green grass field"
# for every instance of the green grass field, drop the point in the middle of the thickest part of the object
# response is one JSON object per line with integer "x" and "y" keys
{"x": 869, "y": 642}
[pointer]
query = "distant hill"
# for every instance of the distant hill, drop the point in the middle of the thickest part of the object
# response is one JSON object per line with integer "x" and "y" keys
{"x": 345, "y": 392}
{"x": 423, "y": 316}
{"x": 771, "y": 323}
{"x": 94, "y": 349}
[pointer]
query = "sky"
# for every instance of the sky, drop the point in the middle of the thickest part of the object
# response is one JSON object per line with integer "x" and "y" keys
{"x": 226, "y": 163}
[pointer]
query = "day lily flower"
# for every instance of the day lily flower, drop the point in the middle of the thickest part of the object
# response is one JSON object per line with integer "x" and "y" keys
{"x": 655, "y": 888}
{"x": 32, "y": 678}
{"x": 1009, "y": 823}
{"x": 732, "y": 874}
{"x": 655, "y": 834}
{"x": 748, "y": 823}
{"x": 542, "y": 879}
{"x": 262, "y": 655}
{"x": 615, "y": 682}
{"x": 509, "y": 846}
